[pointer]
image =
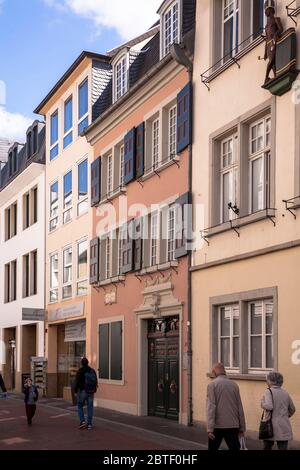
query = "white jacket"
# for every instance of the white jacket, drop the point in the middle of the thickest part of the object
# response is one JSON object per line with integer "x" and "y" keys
{"x": 283, "y": 408}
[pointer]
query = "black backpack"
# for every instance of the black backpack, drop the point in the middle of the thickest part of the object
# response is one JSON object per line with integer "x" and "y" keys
{"x": 90, "y": 381}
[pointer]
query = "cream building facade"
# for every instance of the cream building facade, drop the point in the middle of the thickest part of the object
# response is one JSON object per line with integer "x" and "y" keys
{"x": 246, "y": 164}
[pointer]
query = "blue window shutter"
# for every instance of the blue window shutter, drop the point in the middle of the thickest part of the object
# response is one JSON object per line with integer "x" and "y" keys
{"x": 138, "y": 243}
{"x": 184, "y": 118}
{"x": 127, "y": 249}
{"x": 129, "y": 156}
{"x": 140, "y": 149}
{"x": 95, "y": 181}
{"x": 183, "y": 224}
{"x": 94, "y": 261}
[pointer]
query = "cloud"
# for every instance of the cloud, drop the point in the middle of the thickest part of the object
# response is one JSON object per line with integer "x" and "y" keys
{"x": 1, "y": 3}
{"x": 127, "y": 17}
{"x": 13, "y": 126}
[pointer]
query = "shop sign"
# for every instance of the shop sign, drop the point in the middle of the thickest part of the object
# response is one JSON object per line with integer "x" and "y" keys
{"x": 69, "y": 311}
{"x": 33, "y": 314}
{"x": 75, "y": 331}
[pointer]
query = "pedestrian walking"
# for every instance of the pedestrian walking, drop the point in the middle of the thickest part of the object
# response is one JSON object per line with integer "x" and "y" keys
{"x": 2, "y": 386}
{"x": 279, "y": 407}
{"x": 225, "y": 414}
{"x": 86, "y": 384}
{"x": 31, "y": 397}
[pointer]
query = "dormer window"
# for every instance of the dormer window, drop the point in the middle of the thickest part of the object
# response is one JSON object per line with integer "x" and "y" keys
{"x": 29, "y": 145}
{"x": 120, "y": 77}
{"x": 35, "y": 140}
{"x": 170, "y": 26}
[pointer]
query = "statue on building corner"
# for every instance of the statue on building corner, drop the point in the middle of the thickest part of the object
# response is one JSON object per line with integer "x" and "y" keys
{"x": 273, "y": 30}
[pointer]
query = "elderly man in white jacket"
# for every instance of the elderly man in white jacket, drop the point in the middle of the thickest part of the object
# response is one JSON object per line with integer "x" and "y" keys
{"x": 279, "y": 403}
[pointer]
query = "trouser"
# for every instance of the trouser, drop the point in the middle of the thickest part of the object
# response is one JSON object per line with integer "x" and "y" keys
{"x": 89, "y": 399}
{"x": 281, "y": 445}
{"x": 230, "y": 436}
{"x": 30, "y": 412}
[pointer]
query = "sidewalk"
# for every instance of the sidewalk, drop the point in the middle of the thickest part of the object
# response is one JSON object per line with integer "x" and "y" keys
{"x": 195, "y": 434}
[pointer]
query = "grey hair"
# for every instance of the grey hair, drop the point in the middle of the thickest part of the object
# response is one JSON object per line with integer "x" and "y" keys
{"x": 275, "y": 378}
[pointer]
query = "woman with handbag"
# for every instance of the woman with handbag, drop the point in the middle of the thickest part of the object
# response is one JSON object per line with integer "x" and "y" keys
{"x": 278, "y": 408}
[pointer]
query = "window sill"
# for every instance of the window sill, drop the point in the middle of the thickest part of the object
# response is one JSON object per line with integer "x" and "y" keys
{"x": 250, "y": 377}
{"x": 256, "y": 42}
{"x": 159, "y": 267}
{"x": 160, "y": 168}
{"x": 241, "y": 222}
{"x": 114, "y": 195}
{"x": 111, "y": 382}
{"x": 111, "y": 280}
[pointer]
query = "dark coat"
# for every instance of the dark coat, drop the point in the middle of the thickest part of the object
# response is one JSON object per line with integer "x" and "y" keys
{"x": 79, "y": 383}
{"x": 26, "y": 393}
{"x": 2, "y": 385}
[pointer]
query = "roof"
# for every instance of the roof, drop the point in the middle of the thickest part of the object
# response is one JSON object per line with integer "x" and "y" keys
{"x": 66, "y": 75}
{"x": 5, "y": 144}
{"x": 133, "y": 42}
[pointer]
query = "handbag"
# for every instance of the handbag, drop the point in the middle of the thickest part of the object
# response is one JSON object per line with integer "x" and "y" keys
{"x": 266, "y": 426}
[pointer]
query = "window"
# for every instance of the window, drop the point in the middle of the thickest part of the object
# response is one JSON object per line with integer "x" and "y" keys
{"x": 107, "y": 258}
{"x": 258, "y": 18}
{"x": 229, "y": 336}
{"x": 11, "y": 221}
{"x": 53, "y": 206}
{"x": 171, "y": 234}
{"x": 82, "y": 271}
{"x": 111, "y": 351}
{"x": 10, "y": 282}
{"x": 259, "y": 164}
{"x": 120, "y": 246}
{"x": 54, "y": 135}
{"x": 230, "y": 28}
{"x": 67, "y": 216}
{"x": 29, "y": 148}
{"x": 122, "y": 166}
{"x": 82, "y": 187}
{"x": 155, "y": 143}
{"x": 109, "y": 175}
{"x": 68, "y": 122}
{"x": 35, "y": 140}
{"x": 30, "y": 208}
{"x": 261, "y": 349}
{"x": 120, "y": 78}
{"x": 67, "y": 273}
{"x": 172, "y": 131}
{"x": 30, "y": 274}
{"x": 15, "y": 160}
{"x": 170, "y": 27}
{"x": 54, "y": 278}
{"x": 229, "y": 174}
{"x": 83, "y": 106}
{"x": 154, "y": 239}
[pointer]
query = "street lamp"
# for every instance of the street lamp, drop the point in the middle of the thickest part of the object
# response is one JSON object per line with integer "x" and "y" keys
{"x": 12, "y": 343}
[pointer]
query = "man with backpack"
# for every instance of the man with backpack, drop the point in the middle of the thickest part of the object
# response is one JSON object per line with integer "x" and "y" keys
{"x": 86, "y": 384}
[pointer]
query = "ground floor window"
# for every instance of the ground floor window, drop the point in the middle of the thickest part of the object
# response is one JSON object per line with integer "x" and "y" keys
{"x": 111, "y": 351}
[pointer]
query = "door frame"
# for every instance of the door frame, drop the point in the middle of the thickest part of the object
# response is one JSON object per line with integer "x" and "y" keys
{"x": 142, "y": 355}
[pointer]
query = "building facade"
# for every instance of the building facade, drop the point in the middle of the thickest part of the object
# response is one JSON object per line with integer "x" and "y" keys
{"x": 245, "y": 189}
{"x": 22, "y": 257}
{"x": 139, "y": 189}
{"x": 68, "y": 109}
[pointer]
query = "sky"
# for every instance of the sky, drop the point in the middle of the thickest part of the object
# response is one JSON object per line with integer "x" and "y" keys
{"x": 40, "y": 39}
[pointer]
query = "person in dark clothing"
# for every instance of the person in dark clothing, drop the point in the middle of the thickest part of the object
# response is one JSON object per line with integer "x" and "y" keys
{"x": 31, "y": 396}
{"x": 2, "y": 385}
{"x": 85, "y": 386}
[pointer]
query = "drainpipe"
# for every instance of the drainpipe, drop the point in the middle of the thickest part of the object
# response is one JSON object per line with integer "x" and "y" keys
{"x": 178, "y": 53}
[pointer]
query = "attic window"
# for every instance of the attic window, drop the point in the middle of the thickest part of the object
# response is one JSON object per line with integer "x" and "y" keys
{"x": 170, "y": 27}
{"x": 29, "y": 148}
{"x": 35, "y": 140}
{"x": 120, "y": 77}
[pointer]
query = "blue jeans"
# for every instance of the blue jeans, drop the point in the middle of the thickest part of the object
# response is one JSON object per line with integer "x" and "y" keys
{"x": 89, "y": 399}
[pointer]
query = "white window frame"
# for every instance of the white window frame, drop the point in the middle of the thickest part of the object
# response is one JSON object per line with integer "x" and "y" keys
{"x": 230, "y": 168}
{"x": 53, "y": 209}
{"x": 263, "y": 153}
{"x": 172, "y": 38}
{"x": 171, "y": 233}
{"x": 67, "y": 203}
{"x": 108, "y": 254}
{"x": 84, "y": 202}
{"x": 236, "y": 10}
{"x": 69, "y": 266}
{"x": 120, "y": 250}
{"x": 53, "y": 290}
{"x": 263, "y": 335}
{"x": 172, "y": 132}
{"x": 110, "y": 174}
{"x": 121, "y": 81}
{"x": 154, "y": 238}
{"x": 53, "y": 144}
{"x": 83, "y": 279}
{"x": 69, "y": 131}
{"x": 86, "y": 115}
{"x": 232, "y": 308}
{"x": 155, "y": 142}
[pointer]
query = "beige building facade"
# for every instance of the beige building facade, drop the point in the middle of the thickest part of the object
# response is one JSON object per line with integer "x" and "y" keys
{"x": 246, "y": 166}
